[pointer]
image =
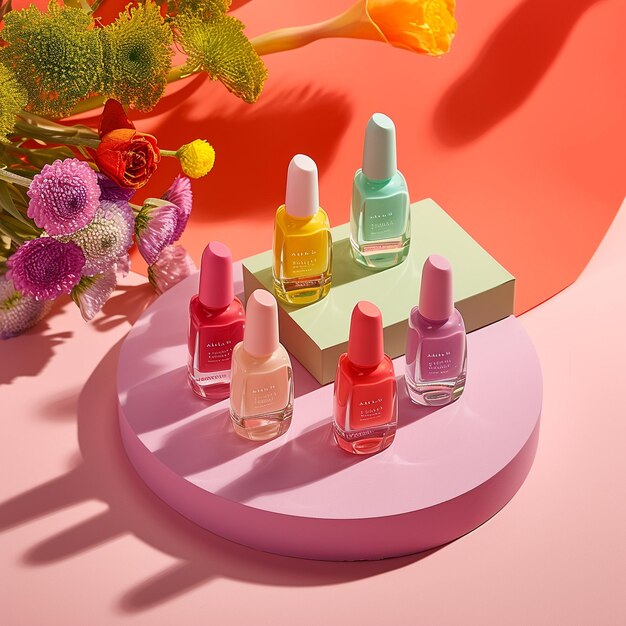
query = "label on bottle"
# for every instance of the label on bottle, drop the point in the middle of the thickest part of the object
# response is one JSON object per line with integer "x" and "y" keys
{"x": 211, "y": 378}
{"x": 372, "y": 405}
{"x": 442, "y": 359}
{"x": 213, "y": 353}
{"x": 385, "y": 218}
{"x": 305, "y": 256}
{"x": 266, "y": 392}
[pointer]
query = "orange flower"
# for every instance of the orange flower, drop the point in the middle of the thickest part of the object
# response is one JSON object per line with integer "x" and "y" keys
{"x": 127, "y": 156}
{"x": 425, "y": 26}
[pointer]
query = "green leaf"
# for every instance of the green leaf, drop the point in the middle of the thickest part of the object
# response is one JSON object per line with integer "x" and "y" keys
{"x": 6, "y": 202}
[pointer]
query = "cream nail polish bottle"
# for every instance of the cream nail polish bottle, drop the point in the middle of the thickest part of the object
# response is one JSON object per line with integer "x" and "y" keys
{"x": 261, "y": 388}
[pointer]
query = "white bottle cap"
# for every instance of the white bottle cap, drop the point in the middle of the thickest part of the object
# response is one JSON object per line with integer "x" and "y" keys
{"x": 379, "y": 149}
{"x": 302, "y": 198}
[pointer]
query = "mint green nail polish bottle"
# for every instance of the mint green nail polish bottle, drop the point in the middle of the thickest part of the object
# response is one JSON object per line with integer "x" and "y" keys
{"x": 380, "y": 221}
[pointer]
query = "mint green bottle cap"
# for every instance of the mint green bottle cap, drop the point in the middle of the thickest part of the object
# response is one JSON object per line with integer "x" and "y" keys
{"x": 379, "y": 149}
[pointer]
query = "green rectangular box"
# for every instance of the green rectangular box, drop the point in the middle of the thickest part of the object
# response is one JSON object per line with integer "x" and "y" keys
{"x": 317, "y": 334}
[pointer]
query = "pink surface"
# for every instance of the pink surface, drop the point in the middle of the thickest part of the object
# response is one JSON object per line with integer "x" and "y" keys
{"x": 83, "y": 541}
{"x": 270, "y": 496}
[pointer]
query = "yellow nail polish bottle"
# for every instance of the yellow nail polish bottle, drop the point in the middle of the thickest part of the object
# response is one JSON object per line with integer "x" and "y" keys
{"x": 302, "y": 244}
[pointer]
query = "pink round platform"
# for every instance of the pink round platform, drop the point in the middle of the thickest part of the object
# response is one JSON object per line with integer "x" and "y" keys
{"x": 447, "y": 472}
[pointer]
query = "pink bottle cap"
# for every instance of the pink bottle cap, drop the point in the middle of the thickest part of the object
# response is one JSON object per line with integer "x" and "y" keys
{"x": 436, "y": 296}
{"x": 260, "y": 336}
{"x": 366, "y": 346}
{"x": 302, "y": 198}
{"x": 216, "y": 276}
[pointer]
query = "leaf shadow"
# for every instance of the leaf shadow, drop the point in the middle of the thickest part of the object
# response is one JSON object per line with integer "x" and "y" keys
{"x": 507, "y": 69}
{"x": 104, "y": 473}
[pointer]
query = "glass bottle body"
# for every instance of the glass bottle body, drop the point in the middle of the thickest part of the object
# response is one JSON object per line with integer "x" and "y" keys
{"x": 302, "y": 249}
{"x": 380, "y": 221}
{"x": 261, "y": 395}
{"x": 213, "y": 333}
{"x": 365, "y": 406}
{"x": 436, "y": 359}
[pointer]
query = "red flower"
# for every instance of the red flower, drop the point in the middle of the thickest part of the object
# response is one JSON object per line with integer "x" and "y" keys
{"x": 127, "y": 156}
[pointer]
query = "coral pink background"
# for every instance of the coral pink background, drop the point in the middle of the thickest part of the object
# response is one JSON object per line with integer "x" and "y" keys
{"x": 518, "y": 133}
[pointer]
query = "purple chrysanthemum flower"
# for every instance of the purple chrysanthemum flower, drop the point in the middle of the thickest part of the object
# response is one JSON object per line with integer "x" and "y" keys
{"x": 45, "y": 268}
{"x": 63, "y": 197}
{"x": 93, "y": 291}
{"x": 172, "y": 265}
{"x": 154, "y": 227}
{"x": 180, "y": 194}
{"x": 122, "y": 265}
{"x": 18, "y": 312}
{"x": 109, "y": 190}
{"x": 107, "y": 237}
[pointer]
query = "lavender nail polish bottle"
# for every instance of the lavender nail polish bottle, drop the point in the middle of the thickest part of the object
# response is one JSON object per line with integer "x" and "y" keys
{"x": 436, "y": 350}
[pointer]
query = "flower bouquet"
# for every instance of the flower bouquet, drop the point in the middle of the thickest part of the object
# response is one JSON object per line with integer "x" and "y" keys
{"x": 67, "y": 217}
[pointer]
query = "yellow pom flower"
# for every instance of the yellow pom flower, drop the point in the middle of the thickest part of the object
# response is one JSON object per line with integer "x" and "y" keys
{"x": 196, "y": 158}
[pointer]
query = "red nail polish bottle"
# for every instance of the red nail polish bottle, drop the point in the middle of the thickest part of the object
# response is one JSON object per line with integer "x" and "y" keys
{"x": 216, "y": 323}
{"x": 366, "y": 397}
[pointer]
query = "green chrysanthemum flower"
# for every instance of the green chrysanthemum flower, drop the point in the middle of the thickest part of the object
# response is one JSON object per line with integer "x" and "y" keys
{"x": 57, "y": 56}
{"x": 221, "y": 49}
{"x": 208, "y": 9}
{"x": 12, "y": 98}
{"x": 137, "y": 56}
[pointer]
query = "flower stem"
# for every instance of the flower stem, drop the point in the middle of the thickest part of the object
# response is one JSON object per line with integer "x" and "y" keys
{"x": 10, "y": 177}
{"x": 353, "y": 23}
{"x": 176, "y": 73}
{"x": 289, "y": 38}
{"x": 169, "y": 153}
{"x": 36, "y": 127}
{"x": 96, "y": 5}
{"x": 12, "y": 236}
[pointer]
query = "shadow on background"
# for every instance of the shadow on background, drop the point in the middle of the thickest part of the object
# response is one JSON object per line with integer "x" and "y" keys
{"x": 105, "y": 474}
{"x": 310, "y": 457}
{"x": 28, "y": 354}
{"x": 255, "y": 144}
{"x": 507, "y": 69}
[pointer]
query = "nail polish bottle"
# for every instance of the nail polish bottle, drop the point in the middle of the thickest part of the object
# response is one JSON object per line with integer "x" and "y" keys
{"x": 216, "y": 323}
{"x": 380, "y": 221}
{"x": 302, "y": 245}
{"x": 261, "y": 391}
{"x": 436, "y": 349}
{"x": 365, "y": 394}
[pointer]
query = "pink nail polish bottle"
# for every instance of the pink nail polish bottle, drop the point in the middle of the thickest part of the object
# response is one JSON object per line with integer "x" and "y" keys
{"x": 261, "y": 391}
{"x": 216, "y": 323}
{"x": 436, "y": 352}
{"x": 365, "y": 396}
